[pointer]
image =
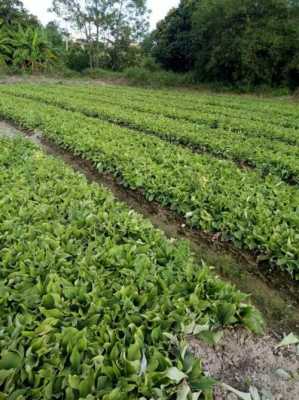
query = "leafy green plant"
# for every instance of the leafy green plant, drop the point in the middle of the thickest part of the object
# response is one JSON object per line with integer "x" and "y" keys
{"x": 32, "y": 49}
{"x": 5, "y": 48}
{"x": 95, "y": 302}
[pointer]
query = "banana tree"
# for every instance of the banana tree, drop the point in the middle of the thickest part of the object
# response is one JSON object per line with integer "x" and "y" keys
{"x": 5, "y": 48}
{"x": 32, "y": 49}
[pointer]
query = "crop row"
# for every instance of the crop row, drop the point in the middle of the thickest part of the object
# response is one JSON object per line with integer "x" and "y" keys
{"x": 284, "y": 109}
{"x": 203, "y": 110}
{"x": 94, "y": 300}
{"x": 259, "y": 106}
{"x": 260, "y": 214}
{"x": 252, "y": 111}
{"x": 206, "y": 115}
{"x": 260, "y": 109}
{"x": 264, "y": 154}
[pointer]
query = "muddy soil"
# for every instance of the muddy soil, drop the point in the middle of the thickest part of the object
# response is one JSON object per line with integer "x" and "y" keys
{"x": 240, "y": 359}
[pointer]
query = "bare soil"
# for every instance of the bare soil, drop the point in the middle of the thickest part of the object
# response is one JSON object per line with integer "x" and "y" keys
{"x": 242, "y": 360}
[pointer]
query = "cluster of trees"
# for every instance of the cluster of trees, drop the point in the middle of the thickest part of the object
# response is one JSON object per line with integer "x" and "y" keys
{"x": 248, "y": 42}
{"x": 105, "y": 34}
{"x": 232, "y": 41}
{"x": 24, "y": 43}
{"x": 109, "y": 29}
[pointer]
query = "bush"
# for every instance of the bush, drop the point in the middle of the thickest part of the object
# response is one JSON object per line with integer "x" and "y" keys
{"x": 4, "y": 70}
{"x": 100, "y": 73}
{"x": 138, "y": 75}
{"x": 145, "y": 77}
{"x": 62, "y": 71}
{"x": 244, "y": 43}
{"x": 77, "y": 59}
{"x": 150, "y": 64}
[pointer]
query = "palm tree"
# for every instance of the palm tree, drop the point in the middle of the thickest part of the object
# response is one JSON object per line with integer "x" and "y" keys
{"x": 32, "y": 49}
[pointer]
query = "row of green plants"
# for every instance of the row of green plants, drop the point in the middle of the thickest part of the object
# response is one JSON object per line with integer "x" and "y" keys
{"x": 267, "y": 155}
{"x": 95, "y": 303}
{"x": 222, "y": 109}
{"x": 207, "y": 112}
{"x": 274, "y": 107}
{"x": 253, "y": 212}
{"x": 191, "y": 99}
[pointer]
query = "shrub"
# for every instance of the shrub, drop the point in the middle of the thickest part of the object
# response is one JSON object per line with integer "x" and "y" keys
{"x": 101, "y": 73}
{"x": 143, "y": 76}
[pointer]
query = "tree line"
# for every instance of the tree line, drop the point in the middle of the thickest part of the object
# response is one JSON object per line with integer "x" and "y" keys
{"x": 250, "y": 42}
{"x": 105, "y": 34}
{"x": 239, "y": 42}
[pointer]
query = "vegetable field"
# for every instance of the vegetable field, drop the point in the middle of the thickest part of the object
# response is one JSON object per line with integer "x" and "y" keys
{"x": 95, "y": 302}
{"x": 93, "y": 299}
{"x": 215, "y": 160}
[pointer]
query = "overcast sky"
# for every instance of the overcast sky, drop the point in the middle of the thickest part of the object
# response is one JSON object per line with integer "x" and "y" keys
{"x": 159, "y": 9}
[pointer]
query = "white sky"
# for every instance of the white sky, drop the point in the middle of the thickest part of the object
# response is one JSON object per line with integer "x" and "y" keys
{"x": 159, "y": 9}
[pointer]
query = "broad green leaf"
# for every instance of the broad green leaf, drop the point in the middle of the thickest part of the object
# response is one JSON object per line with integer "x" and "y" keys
{"x": 183, "y": 392}
{"x": 75, "y": 358}
{"x": 10, "y": 360}
{"x": 254, "y": 393}
{"x": 134, "y": 352}
{"x": 288, "y": 340}
{"x": 211, "y": 337}
{"x": 204, "y": 383}
{"x": 241, "y": 395}
{"x": 175, "y": 374}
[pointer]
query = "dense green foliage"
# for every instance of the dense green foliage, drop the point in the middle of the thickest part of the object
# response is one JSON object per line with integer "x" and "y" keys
{"x": 31, "y": 50}
{"x": 240, "y": 205}
{"x": 245, "y": 42}
{"x": 110, "y": 29}
{"x": 13, "y": 14}
{"x": 95, "y": 302}
{"x": 77, "y": 58}
{"x": 24, "y": 44}
{"x": 248, "y": 142}
{"x": 109, "y": 33}
{"x": 173, "y": 38}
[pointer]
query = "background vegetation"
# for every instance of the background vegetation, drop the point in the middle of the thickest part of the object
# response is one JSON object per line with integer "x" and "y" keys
{"x": 232, "y": 43}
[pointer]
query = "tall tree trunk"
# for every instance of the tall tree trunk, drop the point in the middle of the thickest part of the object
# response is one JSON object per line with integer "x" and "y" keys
{"x": 90, "y": 52}
{"x": 97, "y": 46}
{"x": 89, "y": 44}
